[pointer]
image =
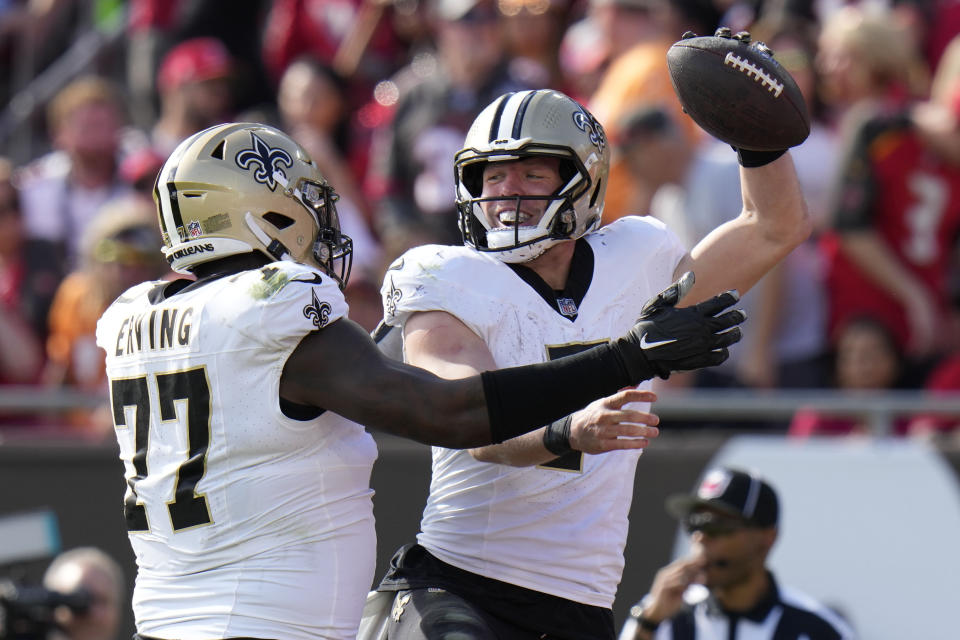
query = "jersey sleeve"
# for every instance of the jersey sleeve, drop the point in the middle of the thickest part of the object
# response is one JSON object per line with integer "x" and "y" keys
{"x": 437, "y": 278}
{"x": 291, "y": 300}
{"x": 644, "y": 247}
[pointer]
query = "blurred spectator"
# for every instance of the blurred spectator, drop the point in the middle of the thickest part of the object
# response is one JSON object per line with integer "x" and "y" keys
{"x": 155, "y": 26}
{"x": 533, "y": 30}
{"x": 867, "y": 62}
{"x": 355, "y": 37}
{"x": 867, "y": 358}
{"x": 937, "y": 119}
{"x": 314, "y": 110}
{"x": 896, "y": 218}
{"x": 119, "y": 250}
{"x": 139, "y": 169}
{"x": 660, "y": 160}
{"x": 62, "y": 191}
{"x": 195, "y": 91}
{"x": 149, "y": 24}
{"x": 624, "y": 24}
{"x": 583, "y": 57}
{"x": 944, "y": 83}
{"x": 434, "y": 101}
{"x": 21, "y": 351}
{"x": 409, "y": 20}
{"x": 92, "y": 571}
{"x": 313, "y": 106}
{"x": 39, "y": 32}
{"x": 934, "y": 22}
{"x": 638, "y": 33}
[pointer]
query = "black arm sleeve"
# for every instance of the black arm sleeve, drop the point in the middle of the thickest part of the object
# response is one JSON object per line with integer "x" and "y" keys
{"x": 522, "y": 396}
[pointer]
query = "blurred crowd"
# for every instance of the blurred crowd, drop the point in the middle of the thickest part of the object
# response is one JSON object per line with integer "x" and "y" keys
{"x": 96, "y": 93}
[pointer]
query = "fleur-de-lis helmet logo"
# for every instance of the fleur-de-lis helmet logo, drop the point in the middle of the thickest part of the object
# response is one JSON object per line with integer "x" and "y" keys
{"x": 266, "y": 160}
{"x": 589, "y": 125}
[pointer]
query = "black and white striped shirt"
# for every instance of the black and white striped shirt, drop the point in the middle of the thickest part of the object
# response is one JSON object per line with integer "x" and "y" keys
{"x": 783, "y": 614}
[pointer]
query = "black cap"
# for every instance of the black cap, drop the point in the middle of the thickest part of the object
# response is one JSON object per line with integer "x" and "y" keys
{"x": 731, "y": 491}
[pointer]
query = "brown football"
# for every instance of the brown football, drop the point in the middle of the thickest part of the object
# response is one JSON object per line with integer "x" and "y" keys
{"x": 737, "y": 92}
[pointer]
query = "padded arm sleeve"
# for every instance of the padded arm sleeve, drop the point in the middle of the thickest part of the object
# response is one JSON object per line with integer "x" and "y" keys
{"x": 518, "y": 397}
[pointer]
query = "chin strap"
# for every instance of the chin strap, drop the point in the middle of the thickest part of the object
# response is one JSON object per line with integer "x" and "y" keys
{"x": 274, "y": 247}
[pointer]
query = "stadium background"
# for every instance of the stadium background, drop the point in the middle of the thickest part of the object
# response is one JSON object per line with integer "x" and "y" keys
{"x": 81, "y": 483}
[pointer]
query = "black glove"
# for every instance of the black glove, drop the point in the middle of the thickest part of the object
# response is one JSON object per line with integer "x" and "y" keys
{"x": 667, "y": 338}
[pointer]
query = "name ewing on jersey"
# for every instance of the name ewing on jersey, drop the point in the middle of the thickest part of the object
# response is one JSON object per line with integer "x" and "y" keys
{"x": 162, "y": 329}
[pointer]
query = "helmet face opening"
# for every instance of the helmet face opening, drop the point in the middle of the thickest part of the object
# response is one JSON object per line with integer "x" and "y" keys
{"x": 524, "y": 125}
{"x": 243, "y": 187}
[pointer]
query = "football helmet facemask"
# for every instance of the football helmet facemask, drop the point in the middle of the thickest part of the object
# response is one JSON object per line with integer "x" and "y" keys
{"x": 522, "y": 125}
{"x": 242, "y": 187}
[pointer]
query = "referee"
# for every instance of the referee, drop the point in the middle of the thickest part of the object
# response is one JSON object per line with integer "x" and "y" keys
{"x": 723, "y": 588}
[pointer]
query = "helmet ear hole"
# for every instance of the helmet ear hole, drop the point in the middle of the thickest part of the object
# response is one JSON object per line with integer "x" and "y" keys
{"x": 278, "y": 220}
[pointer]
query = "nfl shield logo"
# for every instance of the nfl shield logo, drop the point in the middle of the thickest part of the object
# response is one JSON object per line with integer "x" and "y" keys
{"x": 567, "y": 306}
{"x": 195, "y": 230}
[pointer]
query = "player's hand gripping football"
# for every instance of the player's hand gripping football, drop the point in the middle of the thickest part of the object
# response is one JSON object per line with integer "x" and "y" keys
{"x": 668, "y": 338}
{"x": 735, "y": 89}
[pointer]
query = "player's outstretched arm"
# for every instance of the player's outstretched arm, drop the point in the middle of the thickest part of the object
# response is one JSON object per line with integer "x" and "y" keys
{"x": 441, "y": 343}
{"x": 709, "y": 74}
{"x": 340, "y": 369}
{"x": 602, "y": 426}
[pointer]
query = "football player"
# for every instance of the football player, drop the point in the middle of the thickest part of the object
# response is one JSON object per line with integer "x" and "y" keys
{"x": 525, "y": 539}
{"x": 248, "y": 498}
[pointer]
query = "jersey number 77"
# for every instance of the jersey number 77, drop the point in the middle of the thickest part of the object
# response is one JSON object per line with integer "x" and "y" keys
{"x": 186, "y": 508}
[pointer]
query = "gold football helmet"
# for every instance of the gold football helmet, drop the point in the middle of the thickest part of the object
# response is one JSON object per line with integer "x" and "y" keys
{"x": 241, "y": 187}
{"x": 524, "y": 124}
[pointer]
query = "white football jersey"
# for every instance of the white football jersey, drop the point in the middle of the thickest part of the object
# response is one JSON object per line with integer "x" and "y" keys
{"x": 558, "y": 528}
{"x": 244, "y": 522}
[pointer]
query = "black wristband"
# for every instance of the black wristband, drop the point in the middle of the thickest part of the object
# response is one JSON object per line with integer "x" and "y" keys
{"x": 556, "y": 437}
{"x": 521, "y": 399}
{"x": 646, "y": 623}
{"x": 753, "y": 159}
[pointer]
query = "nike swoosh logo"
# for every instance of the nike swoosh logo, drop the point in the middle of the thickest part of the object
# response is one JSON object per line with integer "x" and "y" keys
{"x": 318, "y": 280}
{"x": 645, "y": 344}
{"x": 396, "y": 266}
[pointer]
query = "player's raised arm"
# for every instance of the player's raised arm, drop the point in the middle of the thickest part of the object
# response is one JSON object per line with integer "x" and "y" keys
{"x": 441, "y": 343}
{"x": 710, "y": 74}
